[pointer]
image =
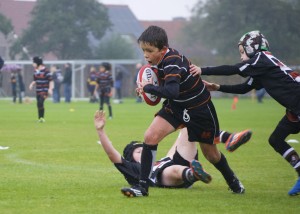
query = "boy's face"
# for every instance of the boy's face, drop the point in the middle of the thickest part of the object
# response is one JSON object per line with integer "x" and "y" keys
{"x": 34, "y": 65}
{"x": 243, "y": 54}
{"x": 137, "y": 153}
{"x": 152, "y": 54}
{"x": 102, "y": 68}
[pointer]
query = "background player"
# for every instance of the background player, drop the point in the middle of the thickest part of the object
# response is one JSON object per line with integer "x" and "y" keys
{"x": 42, "y": 81}
{"x": 104, "y": 86}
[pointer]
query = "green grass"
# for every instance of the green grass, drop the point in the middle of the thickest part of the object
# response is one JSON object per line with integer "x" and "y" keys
{"x": 57, "y": 167}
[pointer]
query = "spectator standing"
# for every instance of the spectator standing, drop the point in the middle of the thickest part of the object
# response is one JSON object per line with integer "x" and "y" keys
{"x": 57, "y": 79}
{"x": 91, "y": 84}
{"x": 118, "y": 84}
{"x": 1, "y": 77}
{"x": 17, "y": 85}
{"x": 67, "y": 81}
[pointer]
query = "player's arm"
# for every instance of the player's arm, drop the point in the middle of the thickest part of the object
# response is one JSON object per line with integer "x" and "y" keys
{"x": 170, "y": 90}
{"x": 31, "y": 85}
{"x": 234, "y": 89}
{"x": 218, "y": 70}
{"x": 96, "y": 88}
{"x": 112, "y": 153}
{"x": 51, "y": 86}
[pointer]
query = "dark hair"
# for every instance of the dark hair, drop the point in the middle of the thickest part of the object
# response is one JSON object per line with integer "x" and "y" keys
{"x": 37, "y": 60}
{"x": 129, "y": 148}
{"x": 106, "y": 65}
{"x": 154, "y": 36}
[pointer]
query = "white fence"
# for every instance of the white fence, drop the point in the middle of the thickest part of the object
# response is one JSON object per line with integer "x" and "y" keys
{"x": 80, "y": 71}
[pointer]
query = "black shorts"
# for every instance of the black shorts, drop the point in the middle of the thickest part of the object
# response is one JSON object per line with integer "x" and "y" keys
{"x": 201, "y": 122}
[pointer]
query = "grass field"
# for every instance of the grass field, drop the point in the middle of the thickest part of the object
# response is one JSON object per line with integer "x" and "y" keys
{"x": 58, "y": 167}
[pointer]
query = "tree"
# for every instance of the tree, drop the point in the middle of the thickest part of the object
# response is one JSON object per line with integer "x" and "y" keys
{"x": 115, "y": 47}
{"x": 63, "y": 28}
{"x": 221, "y": 23}
{"x": 5, "y": 25}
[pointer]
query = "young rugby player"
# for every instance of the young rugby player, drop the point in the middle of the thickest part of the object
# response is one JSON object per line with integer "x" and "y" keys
{"x": 43, "y": 83}
{"x": 282, "y": 83}
{"x": 188, "y": 103}
{"x": 104, "y": 86}
{"x": 179, "y": 169}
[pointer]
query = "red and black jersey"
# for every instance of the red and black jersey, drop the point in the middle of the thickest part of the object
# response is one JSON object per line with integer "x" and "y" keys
{"x": 280, "y": 81}
{"x": 105, "y": 80}
{"x": 42, "y": 79}
{"x": 177, "y": 83}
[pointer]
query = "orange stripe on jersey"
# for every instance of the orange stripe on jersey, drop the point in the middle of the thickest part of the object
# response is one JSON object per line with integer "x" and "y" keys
{"x": 217, "y": 140}
{"x": 181, "y": 126}
{"x": 193, "y": 86}
{"x": 173, "y": 56}
{"x": 172, "y": 75}
{"x": 200, "y": 104}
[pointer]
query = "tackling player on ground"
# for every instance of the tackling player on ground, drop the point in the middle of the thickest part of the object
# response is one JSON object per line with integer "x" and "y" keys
{"x": 179, "y": 169}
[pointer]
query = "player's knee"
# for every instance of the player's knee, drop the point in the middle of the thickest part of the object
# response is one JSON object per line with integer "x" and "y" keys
{"x": 150, "y": 138}
{"x": 278, "y": 144}
{"x": 211, "y": 153}
{"x": 213, "y": 159}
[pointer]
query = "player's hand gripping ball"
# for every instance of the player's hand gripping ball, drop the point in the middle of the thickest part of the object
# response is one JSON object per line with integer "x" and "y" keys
{"x": 146, "y": 74}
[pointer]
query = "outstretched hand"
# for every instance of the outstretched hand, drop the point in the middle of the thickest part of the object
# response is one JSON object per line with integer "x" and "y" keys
{"x": 99, "y": 120}
{"x": 195, "y": 70}
{"x": 211, "y": 86}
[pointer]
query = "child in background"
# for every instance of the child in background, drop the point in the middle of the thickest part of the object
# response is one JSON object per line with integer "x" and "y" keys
{"x": 104, "y": 86}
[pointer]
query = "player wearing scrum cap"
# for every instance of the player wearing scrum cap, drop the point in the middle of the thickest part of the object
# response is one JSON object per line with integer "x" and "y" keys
{"x": 264, "y": 70}
{"x": 179, "y": 169}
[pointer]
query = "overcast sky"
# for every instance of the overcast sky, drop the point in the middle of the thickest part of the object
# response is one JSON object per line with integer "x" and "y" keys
{"x": 157, "y": 9}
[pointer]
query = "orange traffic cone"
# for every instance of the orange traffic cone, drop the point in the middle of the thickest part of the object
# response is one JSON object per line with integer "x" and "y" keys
{"x": 235, "y": 101}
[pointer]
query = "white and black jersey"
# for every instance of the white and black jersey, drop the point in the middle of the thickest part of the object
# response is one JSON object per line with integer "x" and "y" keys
{"x": 131, "y": 170}
{"x": 266, "y": 71}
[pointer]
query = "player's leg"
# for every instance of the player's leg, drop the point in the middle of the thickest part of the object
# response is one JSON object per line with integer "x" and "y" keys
{"x": 277, "y": 141}
{"x": 194, "y": 171}
{"x": 235, "y": 140}
{"x": 205, "y": 129}
{"x": 158, "y": 129}
{"x": 214, "y": 156}
{"x": 40, "y": 105}
{"x": 101, "y": 100}
{"x": 187, "y": 150}
{"x": 107, "y": 101}
{"x": 182, "y": 176}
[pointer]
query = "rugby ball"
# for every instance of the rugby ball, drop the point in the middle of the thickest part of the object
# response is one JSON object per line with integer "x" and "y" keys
{"x": 145, "y": 74}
